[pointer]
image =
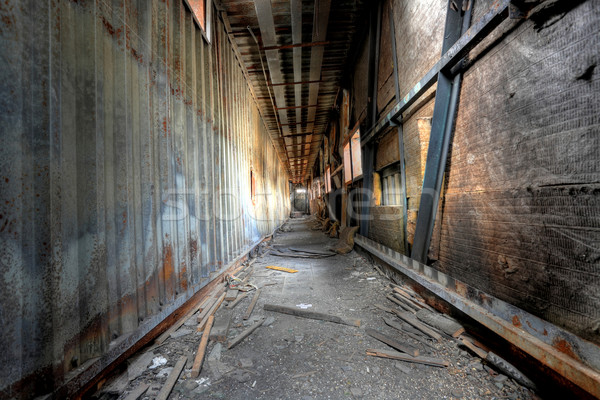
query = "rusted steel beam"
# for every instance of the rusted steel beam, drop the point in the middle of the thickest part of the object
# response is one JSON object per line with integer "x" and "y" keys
{"x": 298, "y": 45}
{"x": 554, "y": 347}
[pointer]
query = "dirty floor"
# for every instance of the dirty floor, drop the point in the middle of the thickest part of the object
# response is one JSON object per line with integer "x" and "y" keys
{"x": 296, "y": 358}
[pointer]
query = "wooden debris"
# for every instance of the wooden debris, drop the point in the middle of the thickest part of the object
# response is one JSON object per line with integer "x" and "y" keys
{"x": 312, "y": 315}
{"x": 166, "y": 334}
{"x": 469, "y": 345}
{"x": 172, "y": 379}
{"x": 418, "y": 338}
{"x": 231, "y": 294}
{"x": 197, "y": 367}
{"x": 400, "y": 304}
{"x": 282, "y": 269}
{"x": 436, "y": 362}
{"x": 393, "y": 343}
{"x": 384, "y": 308}
{"x": 136, "y": 393}
{"x": 403, "y": 303}
{"x": 401, "y": 294}
{"x": 441, "y": 322}
{"x": 245, "y": 333}
{"x": 210, "y": 312}
{"x": 220, "y": 326}
{"x": 252, "y": 304}
{"x": 409, "y": 318}
{"x": 304, "y": 375}
{"x": 237, "y": 301}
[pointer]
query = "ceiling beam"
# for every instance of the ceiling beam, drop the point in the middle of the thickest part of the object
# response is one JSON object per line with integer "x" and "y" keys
{"x": 320, "y": 22}
{"x": 295, "y": 45}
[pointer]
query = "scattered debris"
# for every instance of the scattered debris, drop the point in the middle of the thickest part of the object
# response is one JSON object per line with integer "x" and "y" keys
{"x": 138, "y": 391}
{"x": 392, "y": 342}
{"x": 311, "y": 315}
{"x": 237, "y": 301}
{"x": 197, "y": 367}
{"x": 396, "y": 326}
{"x": 157, "y": 362}
{"x": 442, "y": 322}
{"x": 252, "y": 304}
{"x": 220, "y": 326}
{"x": 202, "y": 322}
{"x": 245, "y": 333}
{"x": 282, "y": 269}
{"x": 436, "y": 362}
{"x": 303, "y": 306}
{"x": 172, "y": 379}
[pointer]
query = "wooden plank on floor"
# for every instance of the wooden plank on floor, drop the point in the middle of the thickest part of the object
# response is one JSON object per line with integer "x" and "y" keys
{"x": 311, "y": 315}
{"x": 441, "y": 322}
{"x": 471, "y": 346}
{"x": 409, "y": 318}
{"x": 199, "y": 359}
{"x": 211, "y": 311}
{"x": 418, "y": 338}
{"x": 252, "y": 304}
{"x": 136, "y": 393}
{"x": 405, "y": 348}
{"x": 237, "y": 301}
{"x": 220, "y": 326}
{"x": 231, "y": 295}
{"x": 172, "y": 379}
{"x": 165, "y": 335}
{"x": 436, "y": 362}
{"x": 245, "y": 333}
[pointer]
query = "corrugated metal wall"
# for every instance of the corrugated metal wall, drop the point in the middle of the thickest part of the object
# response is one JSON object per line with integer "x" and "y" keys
{"x": 125, "y": 157}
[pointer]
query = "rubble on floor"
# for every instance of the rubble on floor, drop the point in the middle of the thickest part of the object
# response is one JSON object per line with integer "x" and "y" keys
{"x": 337, "y": 328}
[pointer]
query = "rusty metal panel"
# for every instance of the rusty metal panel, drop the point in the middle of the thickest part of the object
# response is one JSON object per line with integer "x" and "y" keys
{"x": 125, "y": 153}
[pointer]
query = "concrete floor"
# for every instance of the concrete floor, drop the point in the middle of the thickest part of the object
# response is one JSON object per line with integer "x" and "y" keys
{"x": 295, "y": 358}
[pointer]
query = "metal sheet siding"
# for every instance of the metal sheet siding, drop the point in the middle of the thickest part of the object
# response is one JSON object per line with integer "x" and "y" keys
{"x": 125, "y": 155}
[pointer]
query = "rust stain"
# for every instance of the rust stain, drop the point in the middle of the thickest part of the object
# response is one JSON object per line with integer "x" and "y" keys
{"x": 168, "y": 262}
{"x": 564, "y": 347}
{"x": 516, "y": 322}
{"x": 183, "y": 277}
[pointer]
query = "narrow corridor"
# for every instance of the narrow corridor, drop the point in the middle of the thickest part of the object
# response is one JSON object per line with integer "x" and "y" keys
{"x": 298, "y": 358}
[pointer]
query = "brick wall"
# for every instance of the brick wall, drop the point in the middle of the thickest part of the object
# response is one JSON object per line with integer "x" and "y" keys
{"x": 386, "y": 226}
{"x": 520, "y": 214}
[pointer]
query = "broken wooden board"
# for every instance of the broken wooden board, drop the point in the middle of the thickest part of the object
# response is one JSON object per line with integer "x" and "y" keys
{"x": 252, "y": 304}
{"x": 311, "y": 315}
{"x": 237, "y": 301}
{"x": 220, "y": 326}
{"x": 469, "y": 345}
{"x": 418, "y": 338}
{"x": 441, "y": 322}
{"x": 403, "y": 303}
{"x": 245, "y": 333}
{"x": 172, "y": 379}
{"x": 394, "y": 355}
{"x": 231, "y": 294}
{"x": 405, "y": 348}
{"x": 211, "y": 311}
{"x": 282, "y": 269}
{"x": 409, "y": 318}
{"x": 165, "y": 335}
{"x": 197, "y": 366}
{"x": 136, "y": 393}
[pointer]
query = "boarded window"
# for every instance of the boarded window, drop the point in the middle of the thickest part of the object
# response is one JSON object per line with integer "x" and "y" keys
{"x": 347, "y": 164}
{"x": 356, "y": 154}
{"x": 391, "y": 189}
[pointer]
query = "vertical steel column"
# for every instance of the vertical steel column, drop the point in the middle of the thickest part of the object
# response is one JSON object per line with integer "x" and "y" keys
{"x": 400, "y": 130}
{"x": 446, "y": 100}
{"x": 368, "y": 151}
